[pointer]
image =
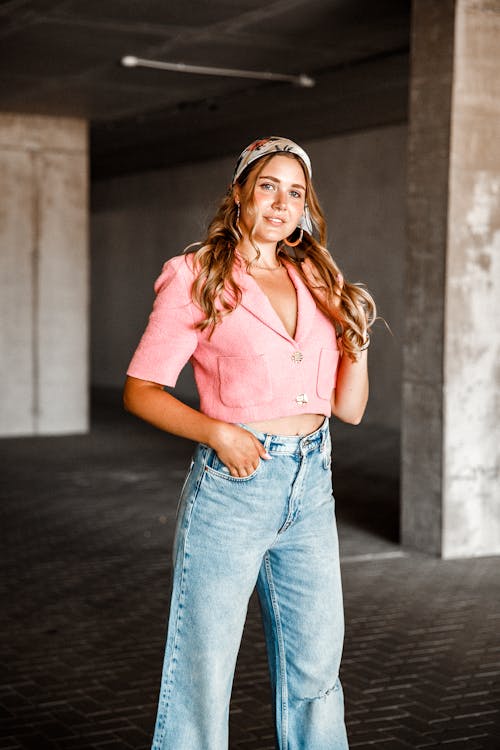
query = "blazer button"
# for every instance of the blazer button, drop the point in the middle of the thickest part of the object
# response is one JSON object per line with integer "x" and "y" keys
{"x": 297, "y": 356}
{"x": 302, "y": 399}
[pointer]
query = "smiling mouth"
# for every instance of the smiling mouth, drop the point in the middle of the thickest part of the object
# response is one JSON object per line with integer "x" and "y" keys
{"x": 275, "y": 220}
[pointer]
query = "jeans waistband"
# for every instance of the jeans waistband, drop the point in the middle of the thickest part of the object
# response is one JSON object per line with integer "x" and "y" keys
{"x": 293, "y": 443}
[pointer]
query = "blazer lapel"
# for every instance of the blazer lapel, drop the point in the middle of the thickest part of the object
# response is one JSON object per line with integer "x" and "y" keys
{"x": 257, "y": 303}
{"x": 306, "y": 306}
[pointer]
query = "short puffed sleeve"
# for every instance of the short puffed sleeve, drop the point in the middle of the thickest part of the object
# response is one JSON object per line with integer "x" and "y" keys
{"x": 170, "y": 337}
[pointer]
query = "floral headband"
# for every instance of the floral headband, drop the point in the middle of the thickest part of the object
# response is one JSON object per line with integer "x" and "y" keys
{"x": 275, "y": 145}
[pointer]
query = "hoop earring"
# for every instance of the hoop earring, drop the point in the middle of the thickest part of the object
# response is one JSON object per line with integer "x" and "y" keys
{"x": 297, "y": 242}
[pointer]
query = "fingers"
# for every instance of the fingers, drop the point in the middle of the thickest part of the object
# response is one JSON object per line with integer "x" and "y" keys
{"x": 263, "y": 452}
{"x": 241, "y": 452}
{"x": 245, "y": 469}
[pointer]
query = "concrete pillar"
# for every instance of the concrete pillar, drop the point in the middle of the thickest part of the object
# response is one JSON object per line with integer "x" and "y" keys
{"x": 451, "y": 373}
{"x": 43, "y": 275}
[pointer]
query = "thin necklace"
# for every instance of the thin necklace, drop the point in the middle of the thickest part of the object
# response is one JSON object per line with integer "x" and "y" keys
{"x": 266, "y": 268}
{"x": 252, "y": 264}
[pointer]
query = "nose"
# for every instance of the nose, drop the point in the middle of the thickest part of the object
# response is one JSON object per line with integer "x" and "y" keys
{"x": 280, "y": 200}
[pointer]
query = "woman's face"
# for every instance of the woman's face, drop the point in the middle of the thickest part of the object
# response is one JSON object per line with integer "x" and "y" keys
{"x": 277, "y": 204}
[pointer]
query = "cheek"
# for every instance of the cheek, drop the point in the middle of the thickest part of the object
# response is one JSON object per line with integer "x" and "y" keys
{"x": 254, "y": 210}
{"x": 259, "y": 202}
{"x": 249, "y": 216}
{"x": 301, "y": 209}
{"x": 301, "y": 206}
{"x": 249, "y": 212}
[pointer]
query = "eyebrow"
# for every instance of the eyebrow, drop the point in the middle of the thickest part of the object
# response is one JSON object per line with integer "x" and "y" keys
{"x": 275, "y": 179}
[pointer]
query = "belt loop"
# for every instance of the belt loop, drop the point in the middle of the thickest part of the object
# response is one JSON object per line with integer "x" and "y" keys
{"x": 204, "y": 454}
{"x": 268, "y": 441}
{"x": 326, "y": 431}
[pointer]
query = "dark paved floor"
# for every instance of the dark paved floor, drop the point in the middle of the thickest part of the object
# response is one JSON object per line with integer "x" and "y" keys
{"x": 86, "y": 529}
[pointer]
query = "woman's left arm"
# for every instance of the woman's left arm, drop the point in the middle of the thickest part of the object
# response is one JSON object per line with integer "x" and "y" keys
{"x": 350, "y": 396}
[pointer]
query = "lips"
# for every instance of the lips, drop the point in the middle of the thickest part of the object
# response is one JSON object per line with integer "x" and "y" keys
{"x": 275, "y": 220}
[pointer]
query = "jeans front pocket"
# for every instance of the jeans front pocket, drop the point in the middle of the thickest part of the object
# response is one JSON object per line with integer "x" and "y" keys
{"x": 216, "y": 468}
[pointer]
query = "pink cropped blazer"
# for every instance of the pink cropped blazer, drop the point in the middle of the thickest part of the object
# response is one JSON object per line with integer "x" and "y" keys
{"x": 250, "y": 369}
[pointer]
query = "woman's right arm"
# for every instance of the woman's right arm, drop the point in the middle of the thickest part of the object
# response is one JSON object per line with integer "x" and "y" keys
{"x": 236, "y": 447}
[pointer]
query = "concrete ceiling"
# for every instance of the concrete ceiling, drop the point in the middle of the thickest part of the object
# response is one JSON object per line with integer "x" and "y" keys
{"x": 63, "y": 57}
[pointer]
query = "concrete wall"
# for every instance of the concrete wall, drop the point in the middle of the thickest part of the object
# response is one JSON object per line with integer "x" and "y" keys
{"x": 471, "y": 471}
{"x": 428, "y": 171}
{"x": 451, "y": 405}
{"x": 44, "y": 275}
{"x": 141, "y": 220}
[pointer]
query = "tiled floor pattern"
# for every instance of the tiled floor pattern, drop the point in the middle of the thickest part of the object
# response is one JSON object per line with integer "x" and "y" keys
{"x": 86, "y": 530}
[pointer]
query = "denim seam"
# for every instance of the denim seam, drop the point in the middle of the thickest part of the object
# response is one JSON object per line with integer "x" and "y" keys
{"x": 183, "y": 489}
{"x": 167, "y": 691}
{"x": 229, "y": 477}
{"x": 281, "y": 652}
{"x": 293, "y": 498}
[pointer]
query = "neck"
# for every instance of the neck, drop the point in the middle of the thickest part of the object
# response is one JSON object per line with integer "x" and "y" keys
{"x": 267, "y": 257}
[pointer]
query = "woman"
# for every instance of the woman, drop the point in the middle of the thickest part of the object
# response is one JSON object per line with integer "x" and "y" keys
{"x": 257, "y": 310}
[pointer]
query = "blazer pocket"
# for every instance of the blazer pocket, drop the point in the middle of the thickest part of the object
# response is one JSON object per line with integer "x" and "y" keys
{"x": 327, "y": 372}
{"x": 244, "y": 381}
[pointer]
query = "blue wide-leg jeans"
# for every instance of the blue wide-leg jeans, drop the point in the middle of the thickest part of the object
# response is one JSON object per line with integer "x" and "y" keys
{"x": 275, "y": 528}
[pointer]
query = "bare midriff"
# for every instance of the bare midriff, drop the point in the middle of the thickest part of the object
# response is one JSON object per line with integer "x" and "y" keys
{"x": 298, "y": 424}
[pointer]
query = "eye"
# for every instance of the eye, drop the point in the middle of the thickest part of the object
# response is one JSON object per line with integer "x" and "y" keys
{"x": 295, "y": 194}
{"x": 267, "y": 186}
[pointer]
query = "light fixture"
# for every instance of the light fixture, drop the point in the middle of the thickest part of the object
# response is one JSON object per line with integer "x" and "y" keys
{"x": 129, "y": 61}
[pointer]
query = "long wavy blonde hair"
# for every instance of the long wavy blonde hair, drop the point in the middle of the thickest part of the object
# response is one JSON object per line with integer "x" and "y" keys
{"x": 216, "y": 293}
